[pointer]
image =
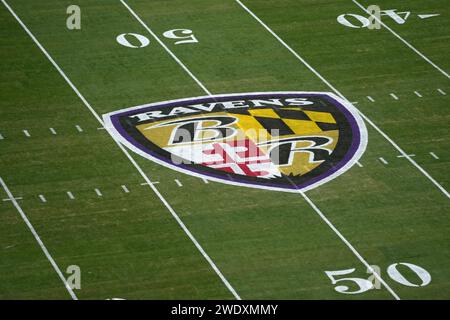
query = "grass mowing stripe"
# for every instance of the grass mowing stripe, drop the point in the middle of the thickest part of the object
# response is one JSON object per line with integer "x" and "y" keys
{"x": 166, "y": 48}
{"x": 349, "y": 245}
{"x": 138, "y": 168}
{"x": 308, "y": 200}
{"x": 403, "y": 40}
{"x": 392, "y": 142}
{"x": 38, "y": 239}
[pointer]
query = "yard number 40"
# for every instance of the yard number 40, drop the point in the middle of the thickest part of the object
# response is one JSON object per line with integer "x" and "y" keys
{"x": 364, "y": 285}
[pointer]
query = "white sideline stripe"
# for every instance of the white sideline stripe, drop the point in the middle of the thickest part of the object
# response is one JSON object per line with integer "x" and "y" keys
{"x": 403, "y": 40}
{"x": 26, "y": 133}
{"x": 219, "y": 273}
{"x": 418, "y": 94}
{"x": 370, "y": 99}
{"x": 125, "y": 189}
{"x": 53, "y": 131}
{"x": 309, "y": 201}
{"x": 349, "y": 245}
{"x": 38, "y": 239}
{"x": 205, "y": 180}
{"x": 178, "y": 183}
{"x": 127, "y": 154}
{"x": 42, "y": 198}
{"x": 393, "y": 96}
{"x": 70, "y": 195}
{"x": 79, "y": 128}
{"x": 98, "y": 192}
{"x": 383, "y": 160}
{"x": 396, "y": 146}
{"x": 434, "y": 155}
{"x": 359, "y": 164}
{"x": 442, "y": 92}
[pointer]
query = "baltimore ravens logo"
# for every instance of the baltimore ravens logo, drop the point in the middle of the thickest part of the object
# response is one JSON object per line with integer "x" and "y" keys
{"x": 285, "y": 141}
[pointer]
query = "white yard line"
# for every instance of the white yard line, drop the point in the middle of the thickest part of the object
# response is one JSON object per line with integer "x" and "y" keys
{"x": 442, "y": 92}
{"x": 42, "y": 198}
{"x": 417, "y": 93}
{"x": 205, "y": 180}
{"x": 403, "y": 40}
{"x": 79, "y": 129}
{"x": 38, "y": 239}
{"x": 1, "y": 137}
{"x": 26, "y": 133}
{"x": 304, "y": 196}
{"x": 383, "y": 161}
{"x": 70, "y": 195}
{"x": 53, "y": 131}
{"x": 359, "y": 164}
{"x": 370, "y": 122}
{"x": 125, "y": 189}
{"x": 370, "y": 99}
{"x": 127, "y": 154}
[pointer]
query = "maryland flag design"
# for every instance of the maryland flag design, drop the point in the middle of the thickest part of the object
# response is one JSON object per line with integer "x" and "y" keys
{"x": 285, "y": 141}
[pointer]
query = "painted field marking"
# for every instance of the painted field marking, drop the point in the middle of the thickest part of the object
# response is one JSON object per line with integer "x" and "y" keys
{"x": 409, "y": 155}
{"x": 42, "y": 198}
{"x": 325, "y": 81}
{"x": 1, "y": 137}
{"x": 53, "y": 131}
{"x": 79, "y": 128}
{"x": 371, "y": 99}
{"x": 38, "y": 239}
{"x": 418, "y": 94}
{"x": 101, "y": 128}
{"x": 178, "y": 183}
{"x": 70, "y": 195}
{"x": 9, "y": 199}
{"x": 402, "y": 40}
{"x": 152, "y": 182}
{"x": 26, "y": 133}
{"x": 98, "y": 192}
{"x": 304, "y": 195}
{"x": 430, "y": 15}
{"x": 205, "y": 180}
{"x": 442, "y": 92}
{"x": 359, "y": 164}
{"x": 383, "y": 160}
{"x": 355, "y": 102}
{"x": 393, "y": 96}
{"x": 125, "y": 189}
{"x": 434, "y": 155}
{"x": 122, "y": 148}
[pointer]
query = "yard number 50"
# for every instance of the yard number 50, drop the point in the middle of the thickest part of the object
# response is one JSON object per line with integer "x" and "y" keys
{"x": 136, "y": 41}
{"x": 365, "y": 284}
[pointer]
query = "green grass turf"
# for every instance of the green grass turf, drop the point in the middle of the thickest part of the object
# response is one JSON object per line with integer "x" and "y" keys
{"x": 267, "y": 244}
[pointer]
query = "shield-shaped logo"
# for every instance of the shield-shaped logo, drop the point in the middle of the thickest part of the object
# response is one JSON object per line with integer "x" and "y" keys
{"x": 284, "y": 141}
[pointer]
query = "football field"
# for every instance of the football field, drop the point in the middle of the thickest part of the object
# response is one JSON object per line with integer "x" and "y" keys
{"x": 80, "y": 206}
